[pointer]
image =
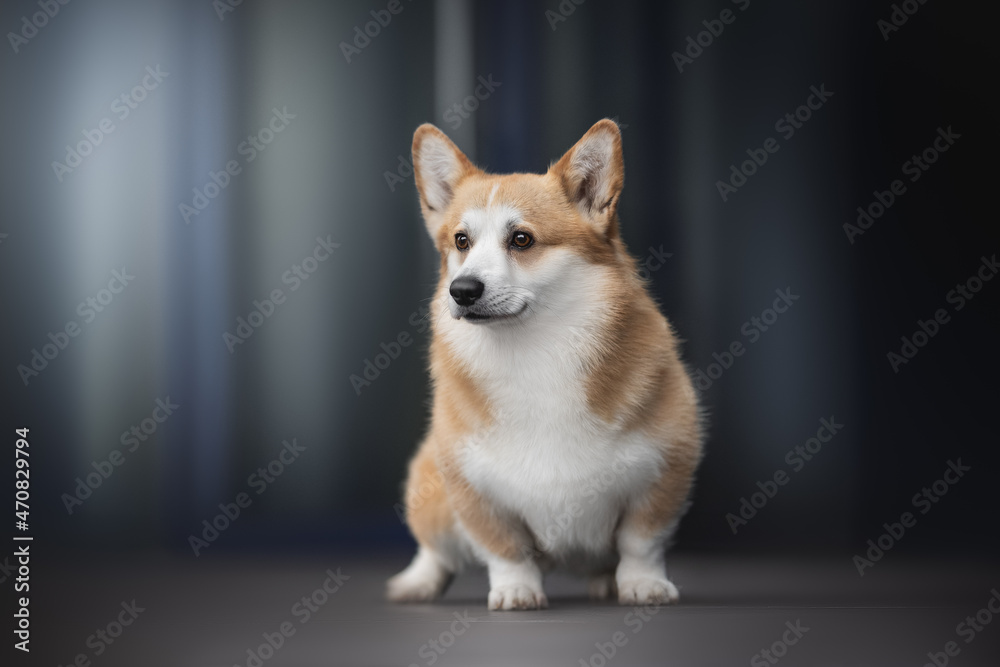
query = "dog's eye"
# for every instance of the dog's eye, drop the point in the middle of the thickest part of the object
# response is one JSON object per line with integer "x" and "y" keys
{"x": 521, "y": 240}
{"x": 461, "y": 241}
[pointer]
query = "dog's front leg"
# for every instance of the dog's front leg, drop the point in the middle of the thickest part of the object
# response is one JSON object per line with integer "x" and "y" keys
{"x": 515, "y": 584}
{"x": 503, "y": 543}
{"x": 647, "y": 527}
{"x": 641, "y": 576}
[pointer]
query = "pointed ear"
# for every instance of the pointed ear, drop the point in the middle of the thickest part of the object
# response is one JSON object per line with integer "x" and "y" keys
{"x": 438, "y": 168}
{"x": 592, "y": 174}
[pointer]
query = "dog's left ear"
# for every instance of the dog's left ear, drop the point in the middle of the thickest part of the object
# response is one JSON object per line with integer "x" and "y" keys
{"x": 592, "y": 174}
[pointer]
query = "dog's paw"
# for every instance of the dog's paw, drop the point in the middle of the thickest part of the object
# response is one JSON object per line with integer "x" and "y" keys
{"x": 423, "y": 580}
{"x": 647, "y": 591}
{"x": 517, "y": 596}
{"x": 411, "y": 587}
{"x": 602, "y": 587}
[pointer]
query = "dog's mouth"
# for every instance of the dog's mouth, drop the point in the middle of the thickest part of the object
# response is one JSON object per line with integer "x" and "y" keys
{"x": 486, "y": 316}
{"x": 477, "y": 317}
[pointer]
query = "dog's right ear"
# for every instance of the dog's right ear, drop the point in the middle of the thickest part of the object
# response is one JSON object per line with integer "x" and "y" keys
{"x": 438, "y": 168}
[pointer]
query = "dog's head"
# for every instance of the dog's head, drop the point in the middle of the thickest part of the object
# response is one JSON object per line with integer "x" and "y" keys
{"x": 516, "y": 245}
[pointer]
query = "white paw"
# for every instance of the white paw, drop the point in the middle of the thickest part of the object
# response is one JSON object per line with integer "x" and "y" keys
{"x": 406, "y": 587}
{"x": 425, "y": 579}
{"x": 647, "y": 591}
{"x": 602, "y": 587}
{"x": 517, "y": 596}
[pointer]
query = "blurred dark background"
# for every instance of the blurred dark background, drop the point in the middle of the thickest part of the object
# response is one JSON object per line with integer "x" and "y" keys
{"x": 337, "y": 171}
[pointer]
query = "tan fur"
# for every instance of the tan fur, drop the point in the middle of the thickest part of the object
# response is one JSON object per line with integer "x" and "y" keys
{"x": 428, "y": 509}
{"x": 636, "y": 379}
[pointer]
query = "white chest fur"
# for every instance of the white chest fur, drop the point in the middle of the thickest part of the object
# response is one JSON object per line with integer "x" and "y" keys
{"x": 548, "y": 458}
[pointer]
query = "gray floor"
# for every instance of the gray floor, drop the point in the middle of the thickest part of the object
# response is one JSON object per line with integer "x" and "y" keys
{"x": 208, "y": 612}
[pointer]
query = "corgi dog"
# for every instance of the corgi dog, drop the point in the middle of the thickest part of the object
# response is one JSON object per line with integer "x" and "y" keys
{"x": 565, "y": 430}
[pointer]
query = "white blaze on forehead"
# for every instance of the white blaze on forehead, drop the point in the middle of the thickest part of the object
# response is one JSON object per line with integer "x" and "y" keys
{"x": 489, "y": 223}
{"x": 487, "y": 228}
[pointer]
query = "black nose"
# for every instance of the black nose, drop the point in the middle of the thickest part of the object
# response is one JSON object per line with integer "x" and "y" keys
{"x": 466, "y": 291}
